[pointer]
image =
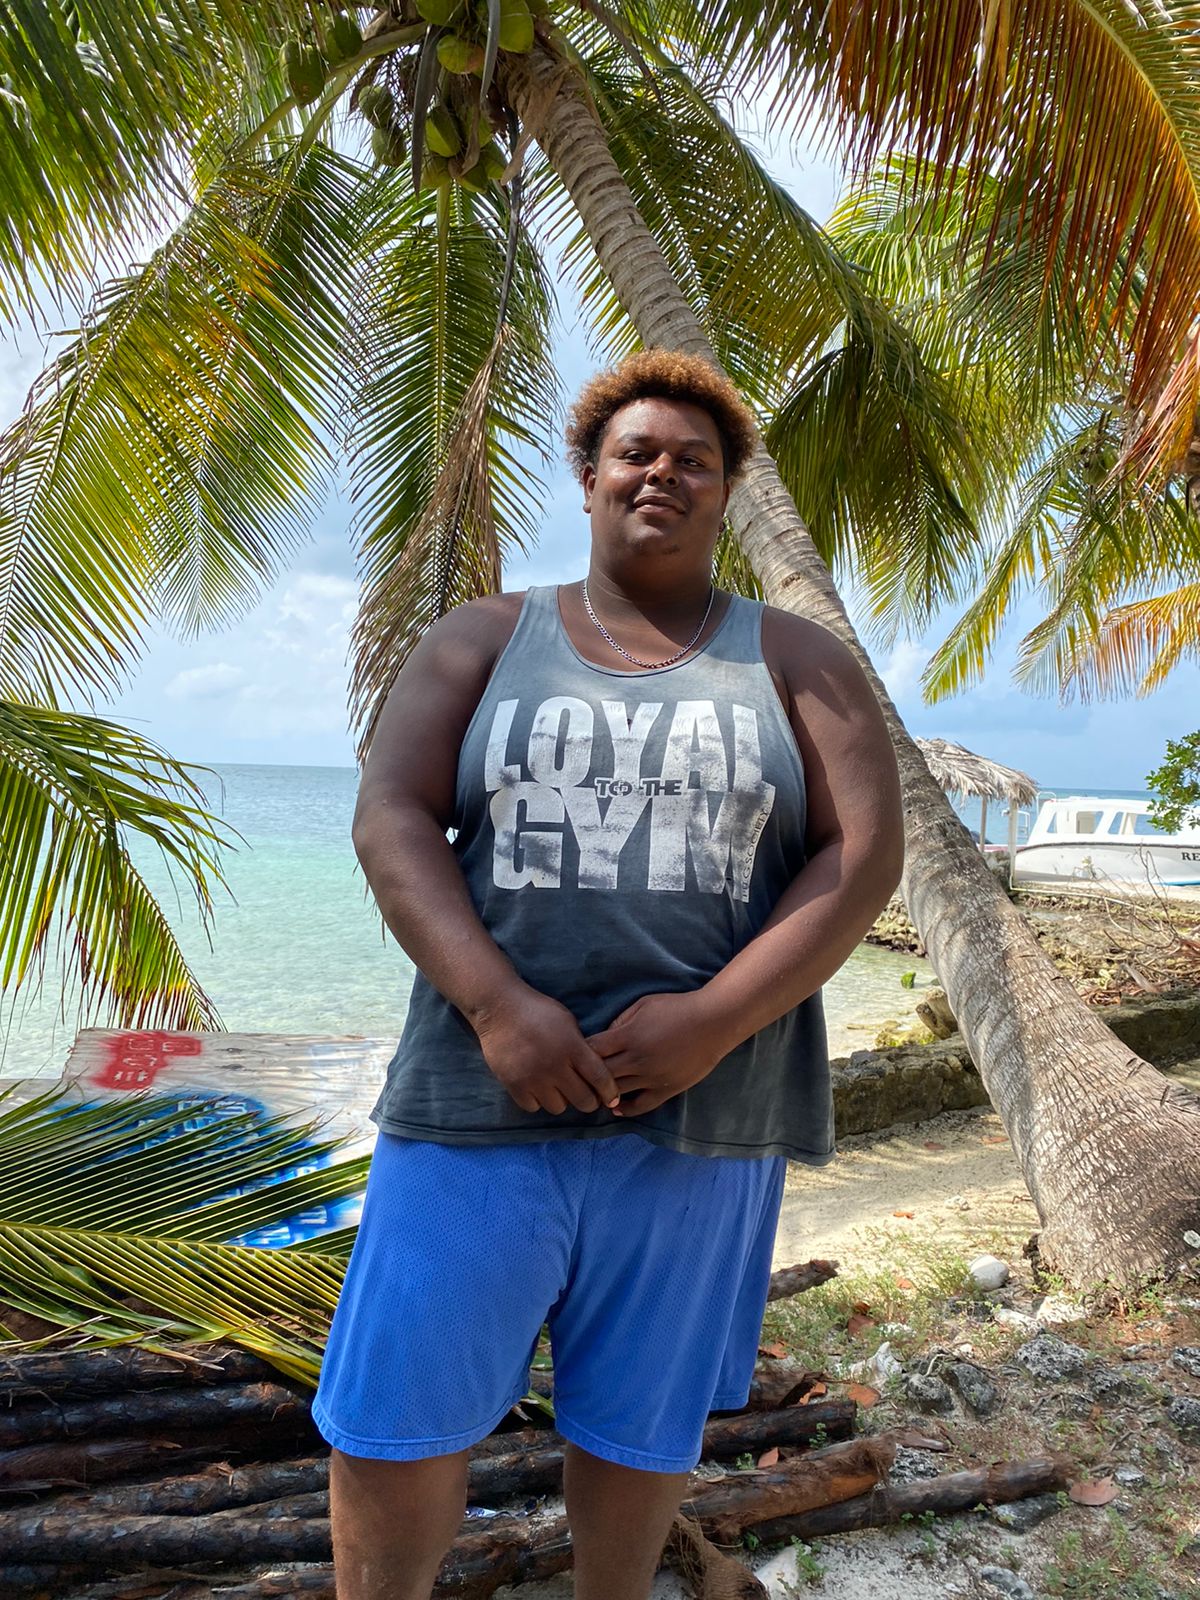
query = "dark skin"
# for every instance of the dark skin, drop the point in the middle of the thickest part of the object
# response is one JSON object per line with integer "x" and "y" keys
{"x": 656, "y": 498}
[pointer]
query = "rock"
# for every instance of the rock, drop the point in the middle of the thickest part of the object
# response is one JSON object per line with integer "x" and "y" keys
{"x": 957, "y": 1202}
{"x": 885, "y": 1363}
{"x": 934, "y": 1011}
{"x": 1009, "y": 1318}
{"x": 928, "y": 1392}
{"x": 1129, "y": 1476}
{"x": 1005, "y": 1581}
{"x": 1109, "y": 1387}
{"x": 974, "y": 1387}
{"x": 1162, "y": 1448}
{"x": 1188, "y": 1357}
{"x": 989, "y": 1272}
{"x": 910, "y": 1465}
{"x": 1184, "y": 1413}
{"x": 1021, "y": 1515}
{"x": 1051, "y": 1360}
{"x": 1072, "y": 1403}
{"x": 1057, "y": 1308}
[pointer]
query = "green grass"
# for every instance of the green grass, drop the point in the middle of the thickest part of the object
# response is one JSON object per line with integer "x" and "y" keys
{"x": 1106, "y": 1569}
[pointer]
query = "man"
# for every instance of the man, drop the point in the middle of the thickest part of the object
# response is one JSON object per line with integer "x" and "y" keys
{"x": 676, "y": 814}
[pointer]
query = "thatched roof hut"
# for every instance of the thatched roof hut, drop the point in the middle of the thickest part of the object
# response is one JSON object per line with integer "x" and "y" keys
{"x": 961, "y": 771}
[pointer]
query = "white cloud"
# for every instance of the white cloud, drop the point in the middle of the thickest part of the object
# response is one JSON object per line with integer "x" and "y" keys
{"x": 204, "y": 683}
{"x": 902, "y": 670}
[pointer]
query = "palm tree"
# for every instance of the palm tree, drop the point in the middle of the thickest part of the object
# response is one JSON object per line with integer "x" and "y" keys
{"x": 1068, "y": 513}
{"x": 291, "y": 266}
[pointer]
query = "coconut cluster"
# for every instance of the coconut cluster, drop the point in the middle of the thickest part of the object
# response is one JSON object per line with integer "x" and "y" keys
{"x": 458, "y": 146}
{"x": 308, "y": 61}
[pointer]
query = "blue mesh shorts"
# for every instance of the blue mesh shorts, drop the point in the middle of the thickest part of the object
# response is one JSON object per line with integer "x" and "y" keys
{"x": 649, "y": 1266}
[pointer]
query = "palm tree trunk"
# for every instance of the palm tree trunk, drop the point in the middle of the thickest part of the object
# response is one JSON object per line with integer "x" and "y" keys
{"x": 1109, "y": 1149}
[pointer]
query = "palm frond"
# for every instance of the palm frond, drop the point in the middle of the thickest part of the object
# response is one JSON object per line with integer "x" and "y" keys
{"x": 277, "y": 1303}
{"x": 166, "y": 459}
{"x": 1113, "y": 177}
{"x": 1090, "y": 538}
{"x": 73, "y": 791}
{"x": 149, "y": 1164}
{"x": 110, "y": 1217}
{"x": 883, "y": 474}
{"x": 443, "y": 401}
{"x": 732, "y": 569}
{"x": 1137, "y": 646}
{"x": 99, "y": 102}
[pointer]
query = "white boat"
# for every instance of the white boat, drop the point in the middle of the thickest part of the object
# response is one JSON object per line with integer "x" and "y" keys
{"x": 1085, "y": 842}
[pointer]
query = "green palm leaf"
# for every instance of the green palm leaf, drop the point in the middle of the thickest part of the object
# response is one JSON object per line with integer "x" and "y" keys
{"x": 1112, "y": 179}
{"x": 110, "y": 1217}
{"x": 442, "y": 403}
{"x": 161, "y": 1172}
{"x": 277, "y": 1303}
{"x": 884, "y": 475}
{"x": 72, "y": 790}
{"x": 167, "y": 458}
{"x": 99, "y": 101}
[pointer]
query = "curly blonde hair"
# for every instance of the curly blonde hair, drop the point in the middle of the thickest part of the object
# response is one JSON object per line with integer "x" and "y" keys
{"x": 661, "y": 374}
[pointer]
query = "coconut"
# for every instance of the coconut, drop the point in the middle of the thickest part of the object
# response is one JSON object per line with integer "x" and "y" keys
{"x": 343, "y": 41}
{"x": 516, "y": 27}
{"x": 378, "y": 105}
{"x": 442, "y": 132}
{"x": 304, "y": 69}
{"x": 459, "y": 55}
{"x": 435, "y": 172}
{"x": 389, "y": 147}
{"x": 439, "y": 12}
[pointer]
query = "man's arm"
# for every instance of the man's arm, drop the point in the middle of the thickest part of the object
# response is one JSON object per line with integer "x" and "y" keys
{"x": 855, "y": 843}
{"x": 405, "y": 805}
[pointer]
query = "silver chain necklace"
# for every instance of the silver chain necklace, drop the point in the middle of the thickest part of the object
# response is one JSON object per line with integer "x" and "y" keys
{"x": 620, "y": 648}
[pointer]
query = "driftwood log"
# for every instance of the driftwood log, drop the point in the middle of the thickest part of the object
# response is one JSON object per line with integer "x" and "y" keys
{"x": 80, "y": 1374}
{"x": 535, "y": 1468}
{"x": 514, "y": 1550}
{"x": 722, "y": 1507}
{"x": 35, "y": 1468}
{"x": 954, "y": 1491}
{"x": 787, "y": 1281}
{"x": 117, "y": 1415}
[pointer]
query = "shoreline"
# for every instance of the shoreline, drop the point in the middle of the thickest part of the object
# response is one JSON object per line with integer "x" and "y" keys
{"x": 1112, "y": 949}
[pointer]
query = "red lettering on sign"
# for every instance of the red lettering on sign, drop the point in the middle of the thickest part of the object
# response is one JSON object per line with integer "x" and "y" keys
{"x": 134, "y": 1060}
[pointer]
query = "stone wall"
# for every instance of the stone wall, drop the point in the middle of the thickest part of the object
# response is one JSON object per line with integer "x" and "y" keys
{"x": 873, "y": 1089}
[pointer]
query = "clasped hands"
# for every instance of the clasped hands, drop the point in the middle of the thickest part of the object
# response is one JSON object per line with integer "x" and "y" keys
{"x": 657, "y": 1047}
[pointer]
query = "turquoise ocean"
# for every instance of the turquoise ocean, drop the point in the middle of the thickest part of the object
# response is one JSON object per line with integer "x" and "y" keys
{"x": 297, "y": 946}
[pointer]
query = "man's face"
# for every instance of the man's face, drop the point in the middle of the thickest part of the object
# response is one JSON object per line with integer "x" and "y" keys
{"x": 659, "y": 484}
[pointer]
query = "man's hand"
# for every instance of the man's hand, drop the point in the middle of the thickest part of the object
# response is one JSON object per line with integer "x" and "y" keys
{"x": 533, "y": 1046}
{"x": 660, "y": 1046}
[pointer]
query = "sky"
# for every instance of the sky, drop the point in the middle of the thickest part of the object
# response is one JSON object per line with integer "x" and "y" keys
{"x": 272, "y": 688}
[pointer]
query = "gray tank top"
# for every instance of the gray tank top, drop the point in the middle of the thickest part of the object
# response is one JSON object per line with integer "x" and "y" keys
{"x": 624, "y": 834}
